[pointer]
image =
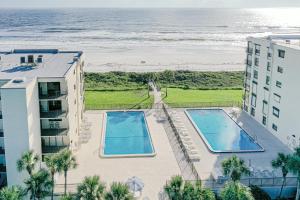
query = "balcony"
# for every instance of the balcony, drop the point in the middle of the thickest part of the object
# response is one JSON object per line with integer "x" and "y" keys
{"x": 2, "y": 168}
{"x": 249, "y": 50}
{"x": 53, "y": 149}
{"x": 54, "y": 132}
{"x": 53, "y": 95}
{"x": 2, "y": 151}
{"x": 53, "y": 114}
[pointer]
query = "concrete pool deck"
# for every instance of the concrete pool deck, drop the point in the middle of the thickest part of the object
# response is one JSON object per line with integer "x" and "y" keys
{"x": 210, "y": 163}
{"x": 154, "y": 171}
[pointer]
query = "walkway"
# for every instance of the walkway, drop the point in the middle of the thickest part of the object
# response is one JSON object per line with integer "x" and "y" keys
{"x": 186, "y": 171}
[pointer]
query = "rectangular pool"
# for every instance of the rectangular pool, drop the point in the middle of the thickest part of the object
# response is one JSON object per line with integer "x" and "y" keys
{"x": 220, "y": 132}
{"x": 126, "y": 134}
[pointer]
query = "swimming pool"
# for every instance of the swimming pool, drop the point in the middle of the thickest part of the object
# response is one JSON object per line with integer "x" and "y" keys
{"x": 126, "y": 134}
{"x": 220, "y": 132}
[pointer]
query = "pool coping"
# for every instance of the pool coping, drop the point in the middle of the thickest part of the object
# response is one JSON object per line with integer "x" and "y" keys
{"x": 208, "y": 144}
{"x": 103, "y": 134}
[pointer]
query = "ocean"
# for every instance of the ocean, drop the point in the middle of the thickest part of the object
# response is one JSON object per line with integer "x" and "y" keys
{"x": 147, "y": 39}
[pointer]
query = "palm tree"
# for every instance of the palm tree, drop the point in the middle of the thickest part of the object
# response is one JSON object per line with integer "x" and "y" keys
{"x": 178, "y": 189}
{"x": 235, "y": 168}
{"x": 281, "y": 162}
{"x": 11, "y": 193}
{"x": 66, "y": 161}
{"x": 118, "y": 191}
{"x": 67, "y": 197}
{"x": 39, "y": 184}
{"x": 234, "y": 190}
{"x": 294, "y": 167}
{"x": 53, "y": 167}
{"x": 91, "y": 188}
{"x": 174, "y": 188}
{"x": 27, "y": 162}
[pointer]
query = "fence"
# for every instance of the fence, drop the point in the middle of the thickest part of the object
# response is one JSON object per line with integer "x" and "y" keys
{"x": 184, "y": 150}
{"x": 260, "y": 182}
{"x": 118, "y": 106}
{"x": 205, "y": 104}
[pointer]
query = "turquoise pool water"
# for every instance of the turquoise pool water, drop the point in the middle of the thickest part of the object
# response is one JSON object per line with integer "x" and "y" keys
{"x": 220, "y": 132}
{"x": 127, "y": 134}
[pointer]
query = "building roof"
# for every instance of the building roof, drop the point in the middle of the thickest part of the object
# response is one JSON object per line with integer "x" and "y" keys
{"x": 287, "y": 40}
{"x": 54, "y": 63}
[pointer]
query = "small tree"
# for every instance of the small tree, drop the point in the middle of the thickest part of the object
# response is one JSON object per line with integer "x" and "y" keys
{"x": 234, "y": 190}
{"x": 53, "y": 167}
{"x": 294, "y": 167}
{"x": 67, "y": 197}
{"x": 39, "y": 185}
{"x": 178, "y": 189}
{"x": 235, "y": 168}
{"x": 281, "y": 162}
{"x": 28, "y": 162}
{"x": 11, "y": 193}
{"x": 174, "y": 188}
{"x": 66, "y": 161}
{"x": 91, "y": 188}
{"x": 119, "y": 191}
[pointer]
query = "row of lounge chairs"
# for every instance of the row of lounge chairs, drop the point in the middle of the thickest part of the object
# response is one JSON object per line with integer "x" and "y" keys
{"x": 184, "y": 136}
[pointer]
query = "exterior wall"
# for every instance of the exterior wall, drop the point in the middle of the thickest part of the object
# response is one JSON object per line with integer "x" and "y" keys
{"x": 20, "y": 107}
{"x": 75, "y": 102}
{"x": 33, "y": 114}
{"x": 287, "y": 126}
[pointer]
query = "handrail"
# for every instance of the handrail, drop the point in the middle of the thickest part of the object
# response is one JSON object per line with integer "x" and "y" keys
{"x": 184, "y": 150}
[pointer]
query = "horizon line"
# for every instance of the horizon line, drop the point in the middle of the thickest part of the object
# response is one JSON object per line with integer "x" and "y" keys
{"x": 152, "y": 7}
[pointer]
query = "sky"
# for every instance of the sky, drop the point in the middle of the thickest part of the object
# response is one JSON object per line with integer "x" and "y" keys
{"x": 148, "y": 3}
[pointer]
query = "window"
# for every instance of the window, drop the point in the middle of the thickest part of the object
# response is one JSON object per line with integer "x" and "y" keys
{"x": 264, "y": 120}
{"x": 255, "y": 74}
{"x": 22, "y": 60}
{"x": 268, "y": 66}
{"x": 281, "y": 53}
{"x": 276, "y": 112}
{"x": 253, "y": 100}
{"x": 274, "y": 127}
{"x": 249, "y": 60}
{"x": 277, "y": 97}
{"x": 257, "y": 49}
{"x": 250, "y": 48}
{"x": 253, "y": 112}
{"x": 280, "y": 69}
{"x": 74, "y": 87}
{"x": 265, "y": 107}
{"x": 268, "y": 80}
{"x": 256, "y": 62}
{"x": 278, "y": 84}
{"x": 254, "y": 87}
{"x": 269, "y": 53}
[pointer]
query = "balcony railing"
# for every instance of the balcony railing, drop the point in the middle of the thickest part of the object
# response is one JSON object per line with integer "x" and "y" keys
{"x": 249, "y": 50}
{"x": 54, "y": 114}
{"x": 2, "y": 151}
{"x": 53, "y": 149}
{"x": 54, "y": 132}
{"x": 2, "y": 168}
{"x": 54, "y": 95}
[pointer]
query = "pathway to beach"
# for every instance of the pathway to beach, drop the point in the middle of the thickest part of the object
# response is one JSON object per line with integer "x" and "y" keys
{"x": 186, "y": 171}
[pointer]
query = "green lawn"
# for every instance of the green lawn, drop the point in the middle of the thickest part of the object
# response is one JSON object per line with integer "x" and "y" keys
{"x": 131, "y": 99}
{"x": 202, "y": 98}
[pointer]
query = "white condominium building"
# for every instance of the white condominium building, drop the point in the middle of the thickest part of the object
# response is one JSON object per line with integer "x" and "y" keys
{"x": 41, "y": 105}
{"x": 272, "y": 83}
